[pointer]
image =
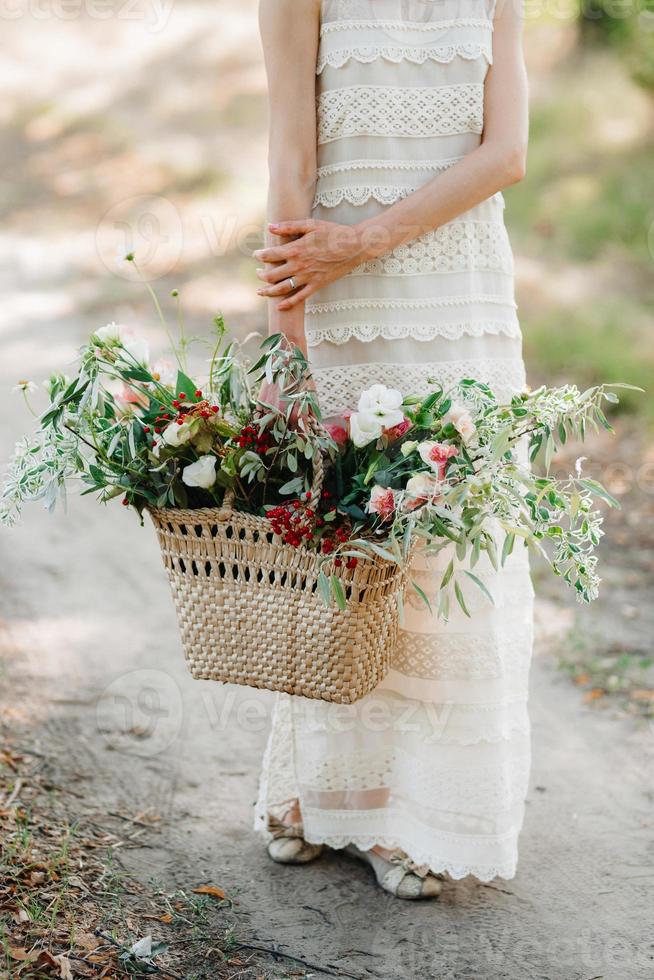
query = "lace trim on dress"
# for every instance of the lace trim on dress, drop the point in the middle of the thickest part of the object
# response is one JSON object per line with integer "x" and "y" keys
{"x": 346, "y": 165}
{"x": 389, "y": 110}
{"x": 419, "y": 54}
{"x": 339, "y": 387}
{"x": 483, "y": 872}
{"x": 359, "y": 194}
{"x": 329, "y": 27}
{"x": 367, "y": 332}
{"x": 340, "y": 305}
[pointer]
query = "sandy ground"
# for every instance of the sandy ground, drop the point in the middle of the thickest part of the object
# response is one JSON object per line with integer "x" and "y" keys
{"x": 96, "y": 113}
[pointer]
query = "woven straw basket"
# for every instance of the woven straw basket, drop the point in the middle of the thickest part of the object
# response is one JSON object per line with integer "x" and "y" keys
{"x": 250, "y": 610}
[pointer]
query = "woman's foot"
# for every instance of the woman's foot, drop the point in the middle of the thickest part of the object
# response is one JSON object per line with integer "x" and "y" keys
{"x": 398, "y": 875}
{"x": 288, "y": 846}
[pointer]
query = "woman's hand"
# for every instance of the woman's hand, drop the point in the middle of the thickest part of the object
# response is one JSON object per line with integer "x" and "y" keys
{"x": 322, "y": 252}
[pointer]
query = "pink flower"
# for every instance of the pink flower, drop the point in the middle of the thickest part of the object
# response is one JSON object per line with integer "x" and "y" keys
{"x": 337, "y": 430}
{"x": 382, "y": 502}
{"x": 462, "y": 421}
{"x": 127, "y": 399}
{"x": 398, "y": 430}
{"x": 420, "y": 489}
{"x": 437, "y": 454}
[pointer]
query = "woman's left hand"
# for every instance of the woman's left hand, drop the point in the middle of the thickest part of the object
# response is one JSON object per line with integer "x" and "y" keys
{"x": 322, "y": 252}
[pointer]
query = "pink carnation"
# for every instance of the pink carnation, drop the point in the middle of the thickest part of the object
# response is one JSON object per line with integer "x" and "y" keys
{"x": 398, "y": 430}
{"x": 382, "y": 502}
{"x": 437, "y": 454}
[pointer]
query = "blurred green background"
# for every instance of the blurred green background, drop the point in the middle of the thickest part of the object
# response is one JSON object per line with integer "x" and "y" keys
{"x": 583, "y": 221}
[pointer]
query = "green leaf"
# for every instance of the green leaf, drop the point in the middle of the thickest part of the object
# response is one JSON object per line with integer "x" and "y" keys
{"x": 325, "y": 590}
{"x": 459, "y": 598}
{"x": 481, "y": 585}
{"x": 507, "y": 547}
{"x": 500, "y": 443}
{"x": 293, "y": 486}
{"x": 491, "y": 548}
{"x": 423, "y": 595}
{"x": 550, "y": 449}
{"x": 599, "y": 491}
{"x": 449, "y": 571}
{"x": 185, "y": 384}
{"x": 602, "y": 419}
{"x": 339, "y": 594}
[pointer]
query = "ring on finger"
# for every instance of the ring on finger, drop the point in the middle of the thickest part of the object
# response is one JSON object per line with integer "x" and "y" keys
{"x": 292, "y": 283}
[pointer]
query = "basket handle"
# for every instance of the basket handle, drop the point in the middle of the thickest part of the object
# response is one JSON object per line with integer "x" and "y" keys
{"x": 318, "y": 473}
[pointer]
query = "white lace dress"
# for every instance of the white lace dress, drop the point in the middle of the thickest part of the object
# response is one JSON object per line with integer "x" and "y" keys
{"x": 436, "y": 760}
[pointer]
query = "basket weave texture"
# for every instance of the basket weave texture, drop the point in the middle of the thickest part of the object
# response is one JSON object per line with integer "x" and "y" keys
{"x": 250, "y": 610}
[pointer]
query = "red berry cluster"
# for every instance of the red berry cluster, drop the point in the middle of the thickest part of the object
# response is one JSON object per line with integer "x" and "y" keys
{"x": 250, "y": 438}
{"x": 294, "y": 522}
{"x": 202, "y": 408}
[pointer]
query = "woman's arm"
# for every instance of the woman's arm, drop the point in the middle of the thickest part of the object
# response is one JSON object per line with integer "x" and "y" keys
{"x": 289, "y": 32}
{"x": 327, "y": 251}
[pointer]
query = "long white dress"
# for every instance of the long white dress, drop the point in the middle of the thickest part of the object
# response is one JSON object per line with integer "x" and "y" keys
{"x": 436, "y": 760}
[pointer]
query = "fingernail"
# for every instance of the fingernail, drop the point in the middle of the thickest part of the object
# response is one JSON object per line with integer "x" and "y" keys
{"x": 273, "y": 224}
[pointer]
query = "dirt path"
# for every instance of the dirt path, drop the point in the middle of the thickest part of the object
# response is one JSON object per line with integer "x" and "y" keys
{"x": 95, "y": 673}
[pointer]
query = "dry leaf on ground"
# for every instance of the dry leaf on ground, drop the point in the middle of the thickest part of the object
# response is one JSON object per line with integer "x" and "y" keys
{"x": 209, "y": 890}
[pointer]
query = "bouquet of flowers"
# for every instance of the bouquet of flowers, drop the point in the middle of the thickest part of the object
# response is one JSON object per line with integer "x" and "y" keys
{"x": 276, "y": 525}
{"x": 450, "y": 468}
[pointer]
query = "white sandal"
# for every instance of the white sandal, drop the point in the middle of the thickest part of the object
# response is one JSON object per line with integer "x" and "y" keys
{"x": 288, "y": 846}
{"x": 399, "y": 875}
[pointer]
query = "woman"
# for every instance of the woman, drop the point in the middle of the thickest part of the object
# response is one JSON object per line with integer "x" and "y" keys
{"x": 395, "y": 124}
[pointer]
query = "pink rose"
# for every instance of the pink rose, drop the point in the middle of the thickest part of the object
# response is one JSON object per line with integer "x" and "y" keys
{"x": 337, "y": 432}
{"x": 382, "y": 502}
{"x": 437, "y": 454}
{"x": 397, "y": 430}
{"x": 127, "y": 399}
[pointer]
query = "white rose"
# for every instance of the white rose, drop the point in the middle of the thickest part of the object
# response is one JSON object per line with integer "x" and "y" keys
{"x": 461, "y": 419}
{"x": 176, "y": 435}
{"x": 407, "y": 447}
{"x": 112, "y": 333}
{"x": 383, "y": 404}
{"x": 364, "y": 429}
{"x": 200, "y": 474}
